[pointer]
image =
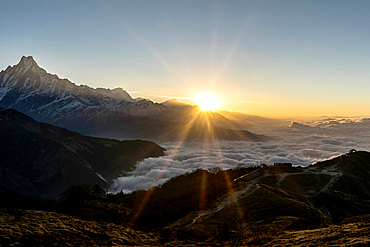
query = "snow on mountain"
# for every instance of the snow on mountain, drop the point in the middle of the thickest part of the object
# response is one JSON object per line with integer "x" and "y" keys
{"x": 31, "y": 90}
{"x": 111, "y": 113}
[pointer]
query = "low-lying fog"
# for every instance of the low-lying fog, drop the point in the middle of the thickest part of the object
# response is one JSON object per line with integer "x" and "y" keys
{"x": 299, "y": 143}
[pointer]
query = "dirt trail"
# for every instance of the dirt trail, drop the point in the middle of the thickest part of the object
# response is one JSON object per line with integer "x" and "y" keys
{"x": 252, "y": 186}
{"x": 230, "y": 198}
{"x": 334, "y": 177}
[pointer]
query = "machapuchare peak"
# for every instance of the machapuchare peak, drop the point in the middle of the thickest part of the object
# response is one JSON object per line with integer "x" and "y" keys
{"x": 27, "y": 61}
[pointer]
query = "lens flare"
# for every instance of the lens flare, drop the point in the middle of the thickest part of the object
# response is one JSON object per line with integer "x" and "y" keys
{"x": 207, "y": 101}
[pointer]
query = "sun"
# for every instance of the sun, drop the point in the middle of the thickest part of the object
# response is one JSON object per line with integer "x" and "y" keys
{"x": 207, "y": 101}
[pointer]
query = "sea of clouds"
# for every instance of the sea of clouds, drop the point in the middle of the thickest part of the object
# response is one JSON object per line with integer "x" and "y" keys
{"x": 301, "y": 144}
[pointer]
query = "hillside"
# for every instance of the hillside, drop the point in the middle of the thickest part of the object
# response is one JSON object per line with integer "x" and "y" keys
{"x": 271, "y": 199}
{"x": 279, "y": 205}
{"x": 53, "y": 229}
{"x": 39, "y": 159}
{"x": 292, "y": 196}
{"x": 38, "y": 228}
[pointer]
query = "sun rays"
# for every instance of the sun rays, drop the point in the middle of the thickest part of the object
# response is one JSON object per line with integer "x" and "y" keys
{"x": 203, "y": 125}
{"x": 207, "y": 101}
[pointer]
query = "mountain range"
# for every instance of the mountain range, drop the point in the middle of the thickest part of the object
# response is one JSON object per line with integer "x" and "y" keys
{"x": 237, "y": 207}
{"x": 110, "y": 113}
{"x": 41, "y": 160}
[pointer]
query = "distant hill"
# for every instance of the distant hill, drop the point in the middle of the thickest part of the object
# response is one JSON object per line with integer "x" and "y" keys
{"x": 109, "y": 113}
{"x": 38, "y": 159}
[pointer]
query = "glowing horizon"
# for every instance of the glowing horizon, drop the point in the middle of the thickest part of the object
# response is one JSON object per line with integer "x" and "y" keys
{"x": 207, "y": 101}
{"x": 260, "y": 57}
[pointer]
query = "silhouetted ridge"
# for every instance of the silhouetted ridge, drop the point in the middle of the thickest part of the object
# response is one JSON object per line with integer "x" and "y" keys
{"x": 49, "y": 159}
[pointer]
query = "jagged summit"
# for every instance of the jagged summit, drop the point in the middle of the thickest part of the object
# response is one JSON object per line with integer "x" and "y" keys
{"x": 17, "y": 71}
{"x": 30, "y": 89}
{"x": 27, "y": 61}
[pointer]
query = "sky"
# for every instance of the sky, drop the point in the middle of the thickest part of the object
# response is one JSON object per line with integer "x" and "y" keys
{"x": 266, "y": 58}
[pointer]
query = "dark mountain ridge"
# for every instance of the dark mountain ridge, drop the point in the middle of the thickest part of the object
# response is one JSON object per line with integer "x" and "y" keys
{"x": 266, "y": 200}
{"x": 44, "y": 160}
{"x": 254, "y": 206}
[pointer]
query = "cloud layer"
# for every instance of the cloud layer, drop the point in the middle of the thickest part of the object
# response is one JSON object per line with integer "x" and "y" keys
{"x": 311, "y": 142}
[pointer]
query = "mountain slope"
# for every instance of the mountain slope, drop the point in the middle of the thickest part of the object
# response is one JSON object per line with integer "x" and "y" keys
{"x": 38, "y": 228}
{"x": 45, "y": 97}
{"x": 49, "y": 159}
{"x": 272, "y": 198}
{"x": 28, "y": 87}
{"x": 256, "y": 206}
{"x": 120, "y": 126}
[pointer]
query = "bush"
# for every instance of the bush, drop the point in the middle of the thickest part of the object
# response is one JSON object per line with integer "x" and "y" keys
{"x": 81, "y": 192}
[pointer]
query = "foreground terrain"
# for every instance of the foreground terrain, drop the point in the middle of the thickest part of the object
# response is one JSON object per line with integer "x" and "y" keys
{"x": 326, "y": 204}
{"x": 40, "y": 228}
{"x": 345, "y": 234}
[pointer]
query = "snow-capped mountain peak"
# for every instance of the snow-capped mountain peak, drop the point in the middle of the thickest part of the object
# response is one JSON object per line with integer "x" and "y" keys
{"x": 104, "y": 112}
{"x": 28, "y": 61}
{"x": 32, "y": 90}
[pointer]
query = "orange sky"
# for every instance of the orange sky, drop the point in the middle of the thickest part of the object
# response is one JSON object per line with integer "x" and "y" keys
{"x": 268, "y": 58}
